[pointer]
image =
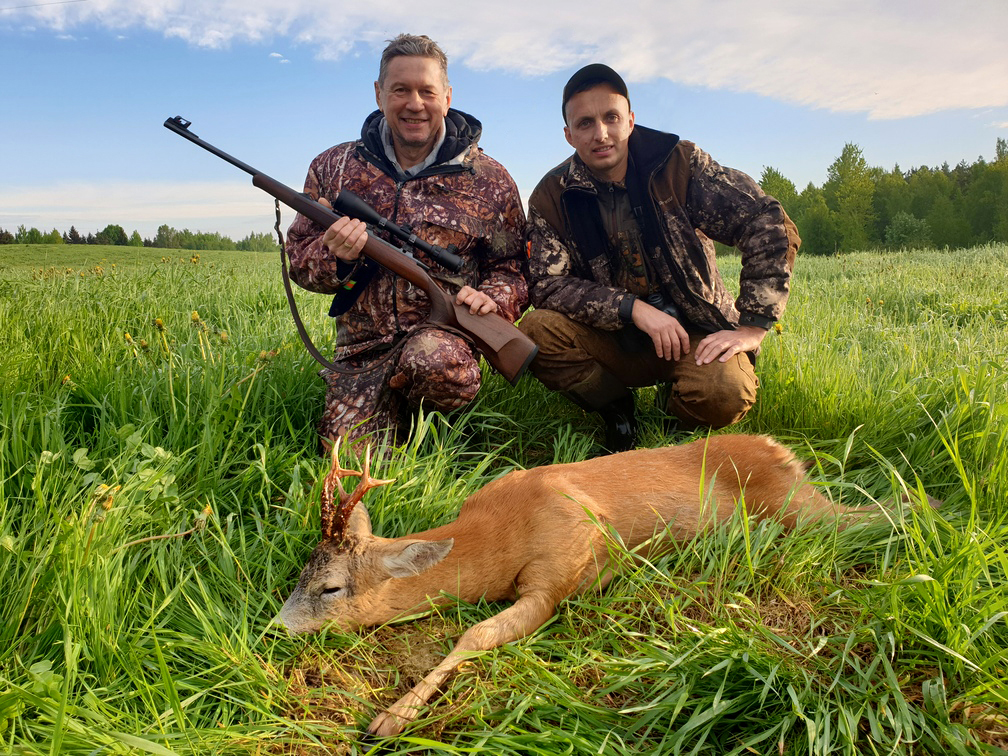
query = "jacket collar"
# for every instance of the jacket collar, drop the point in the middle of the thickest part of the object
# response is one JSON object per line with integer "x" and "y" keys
{"x": 649, "y": 150}
{"x": 462, "y": 133}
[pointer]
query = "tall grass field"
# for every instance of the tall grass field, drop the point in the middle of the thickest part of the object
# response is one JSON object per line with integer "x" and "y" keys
{"x": 159, "y": 483}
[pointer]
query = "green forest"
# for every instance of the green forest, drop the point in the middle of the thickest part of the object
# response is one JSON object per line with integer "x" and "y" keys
{"x": 861, "y": 207}
{"x": 858, "y": 207}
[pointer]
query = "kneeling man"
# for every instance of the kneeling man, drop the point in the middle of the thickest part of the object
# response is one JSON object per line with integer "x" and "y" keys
{"x": 623, "y": 275}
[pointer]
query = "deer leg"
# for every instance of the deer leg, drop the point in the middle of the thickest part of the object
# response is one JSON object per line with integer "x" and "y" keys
{"x": 525, "y": 616}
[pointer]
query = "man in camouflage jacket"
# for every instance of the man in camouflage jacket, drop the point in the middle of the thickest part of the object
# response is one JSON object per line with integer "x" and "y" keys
{"x": 418, "y": 164}
{"x": 623, "y": 274}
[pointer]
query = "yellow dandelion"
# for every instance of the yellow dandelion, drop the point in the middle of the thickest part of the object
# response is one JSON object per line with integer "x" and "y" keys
{"x": 66, "y": 380}
{"x": 223, "y": 337}
{"x": 159, "y": 324}
{"x": 129, "y": 339}
{"x": 778, "y": 327}
{"x": 195, "y": 317}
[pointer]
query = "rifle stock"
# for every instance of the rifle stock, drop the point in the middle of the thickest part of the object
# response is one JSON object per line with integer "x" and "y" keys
{"x": 507, "y": 349}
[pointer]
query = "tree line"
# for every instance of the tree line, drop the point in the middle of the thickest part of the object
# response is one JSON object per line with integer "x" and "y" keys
{"x": 861, "y": 207}
{"x": 858, "y": 207}
{"x": 165, "y": 238}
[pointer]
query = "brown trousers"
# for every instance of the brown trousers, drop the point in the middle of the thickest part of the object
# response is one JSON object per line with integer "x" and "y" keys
{"x": 591, "y": 367}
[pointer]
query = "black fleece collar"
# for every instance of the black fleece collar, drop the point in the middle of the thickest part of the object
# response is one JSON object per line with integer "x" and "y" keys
{"x": 462, "y": 131}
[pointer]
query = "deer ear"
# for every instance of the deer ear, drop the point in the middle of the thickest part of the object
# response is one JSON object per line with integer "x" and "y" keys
{"x": 414, "y": 557}
{"x": 359, "y": 522}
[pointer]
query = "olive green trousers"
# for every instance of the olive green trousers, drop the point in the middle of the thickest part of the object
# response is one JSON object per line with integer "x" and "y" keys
{"x": 593, "y": 369}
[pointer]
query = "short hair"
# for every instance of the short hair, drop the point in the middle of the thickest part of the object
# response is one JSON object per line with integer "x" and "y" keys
{"x": 419, "y": 45}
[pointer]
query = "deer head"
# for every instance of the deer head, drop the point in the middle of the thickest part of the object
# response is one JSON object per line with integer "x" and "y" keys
{"x": 345, "y": 577}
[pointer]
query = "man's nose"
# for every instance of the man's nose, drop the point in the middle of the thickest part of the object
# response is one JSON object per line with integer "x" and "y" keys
{"x": 601, "y": 132}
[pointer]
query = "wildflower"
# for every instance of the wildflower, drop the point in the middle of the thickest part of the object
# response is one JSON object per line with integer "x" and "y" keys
{"x": 223, "y": 337}
{"x": 66, "y": 380}
{"x": 195, "y": 317}
{"x": 144, "y": 345}
{"x": 159, "y": 324}
{"x": 129, "y": 339}
{"x": 778, "y": 327}
{"x": 104, "y": 495}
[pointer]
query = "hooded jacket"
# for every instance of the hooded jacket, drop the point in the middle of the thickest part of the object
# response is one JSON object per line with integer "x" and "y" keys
{"x": 465, "y": 198}
{"x": 683, "y": 200}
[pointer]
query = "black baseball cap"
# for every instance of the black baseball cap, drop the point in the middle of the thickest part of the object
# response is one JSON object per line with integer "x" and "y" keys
{"x": 590, "y": 75}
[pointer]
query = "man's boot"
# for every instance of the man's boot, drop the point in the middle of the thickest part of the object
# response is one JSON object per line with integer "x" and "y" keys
{"x": 620, "y": 424}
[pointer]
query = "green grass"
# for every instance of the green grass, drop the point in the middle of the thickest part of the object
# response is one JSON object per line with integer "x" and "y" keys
{"x": 158, "y": 496}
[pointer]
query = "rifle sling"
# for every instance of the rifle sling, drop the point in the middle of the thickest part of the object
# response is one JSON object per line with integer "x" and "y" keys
{"x": 303, "y": 332}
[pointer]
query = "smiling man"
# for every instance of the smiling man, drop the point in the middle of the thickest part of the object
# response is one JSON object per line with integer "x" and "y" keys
{"x": 623, "y": 273}
{"x": 418, "y": 164}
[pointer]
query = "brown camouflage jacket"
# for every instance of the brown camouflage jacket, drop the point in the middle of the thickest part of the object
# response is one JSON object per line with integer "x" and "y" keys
{"x": 689, "y": 200}
{"x": 465, "y": 199}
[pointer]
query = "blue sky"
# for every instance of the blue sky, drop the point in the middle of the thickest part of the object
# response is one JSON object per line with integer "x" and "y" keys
{"x": 86, "y": 85}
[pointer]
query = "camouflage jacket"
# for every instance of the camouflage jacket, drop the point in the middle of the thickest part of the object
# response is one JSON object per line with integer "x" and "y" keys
{"x": 689, "y": 200}
{"x": 465, "y": 198}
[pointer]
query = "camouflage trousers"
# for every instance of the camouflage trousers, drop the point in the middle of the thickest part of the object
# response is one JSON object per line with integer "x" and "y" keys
{"x": 593, "y": 369}
{"x": 430, "y": 365}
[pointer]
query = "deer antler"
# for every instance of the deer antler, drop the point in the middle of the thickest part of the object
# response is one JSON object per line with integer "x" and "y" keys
{"x": 334, "y": 519}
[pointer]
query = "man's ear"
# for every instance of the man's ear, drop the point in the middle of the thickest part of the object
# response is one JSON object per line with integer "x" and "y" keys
{"x": 377, "y": 95}
{"x": 567, "y": 135}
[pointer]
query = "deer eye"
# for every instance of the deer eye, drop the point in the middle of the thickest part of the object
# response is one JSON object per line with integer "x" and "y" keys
{"x": 333, "y": 591}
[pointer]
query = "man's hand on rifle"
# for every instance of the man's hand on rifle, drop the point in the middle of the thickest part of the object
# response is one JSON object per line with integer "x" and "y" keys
{"x": 346, "y": 237}
{"x": 479, "y": 303}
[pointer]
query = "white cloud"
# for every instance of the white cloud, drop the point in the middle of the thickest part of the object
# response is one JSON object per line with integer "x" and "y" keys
{"x": 895, "y": 59}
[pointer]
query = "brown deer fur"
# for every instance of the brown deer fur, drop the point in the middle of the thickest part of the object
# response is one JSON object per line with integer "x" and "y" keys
{"x": 536, "y": 536}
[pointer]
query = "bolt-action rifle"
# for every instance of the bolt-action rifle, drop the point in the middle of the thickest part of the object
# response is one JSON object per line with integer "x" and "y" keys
{"x": 506, "y": 348}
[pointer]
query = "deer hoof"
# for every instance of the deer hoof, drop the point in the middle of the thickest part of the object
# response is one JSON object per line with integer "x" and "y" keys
{"x": 386, "y": 724}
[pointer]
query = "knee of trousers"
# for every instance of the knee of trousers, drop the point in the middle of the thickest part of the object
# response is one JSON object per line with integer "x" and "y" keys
{"x": 716, "y": 401}
{"x": 438, "y": 367}
{"x": 553, "y": 332}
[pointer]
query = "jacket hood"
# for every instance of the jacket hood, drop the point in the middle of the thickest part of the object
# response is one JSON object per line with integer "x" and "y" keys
{"x": 462, "y": 132}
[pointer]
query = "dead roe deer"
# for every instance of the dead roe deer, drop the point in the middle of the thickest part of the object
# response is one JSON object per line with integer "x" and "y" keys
{"x": 533, "y": 537}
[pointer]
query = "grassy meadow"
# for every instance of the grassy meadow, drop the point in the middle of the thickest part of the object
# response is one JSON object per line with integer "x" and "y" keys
{"x": 159, "y": 481}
